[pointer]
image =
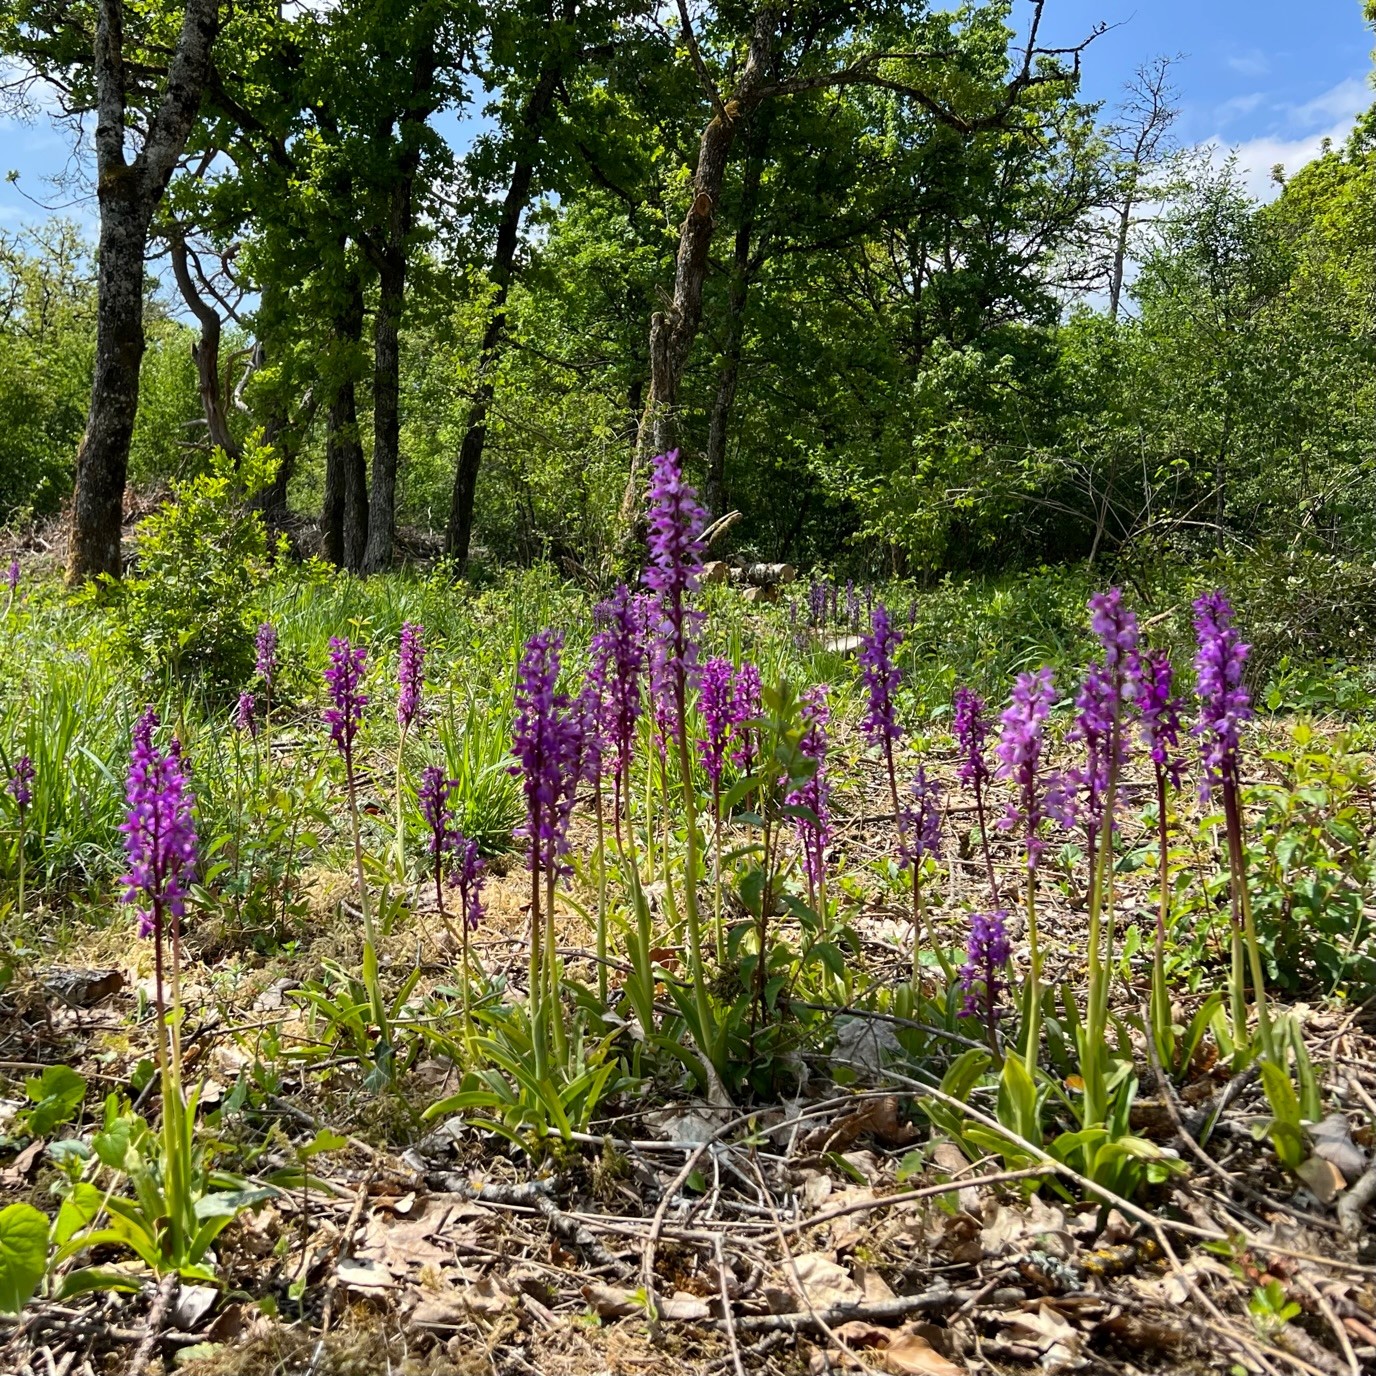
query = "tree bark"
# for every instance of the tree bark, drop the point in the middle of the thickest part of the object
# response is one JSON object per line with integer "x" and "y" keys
{"x": 459, "y": 533}
{"x": 743, "y": 267}
{"x": 382, "y": 503}
{"x": 390, "y": 259}
{"x": 205, "y": 352}
{"x": 344, "y": 520}
{"x": 673, "y": 331}
{"x": 128, "y": 193}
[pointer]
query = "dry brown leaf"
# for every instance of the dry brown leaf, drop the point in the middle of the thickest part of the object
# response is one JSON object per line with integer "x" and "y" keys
{"x": 858, "y": 1333}
{"x": 1324, "y": 1179}
{"x": 872, "y": 1285}
{"x": 1044, "y": 1327}
{"x": 1002, "y": 1229}
{"x": 951, "y": 1159}
{"x": 910, "y": 1354}
{"x": 824, "y": 1282}
{"x": 612, "y": 1302}
{"x": 879, "y": 1119}
{"x": 442, "y": 1308}
{"x": 1332, "y": 1139}
{"x": 19, "y": 1170}
{"x": 400, "y": 1243}
{"x": 488, "y": 1297}
{"x": 363, "y": 1275}
{"x": 682, "y": 1307}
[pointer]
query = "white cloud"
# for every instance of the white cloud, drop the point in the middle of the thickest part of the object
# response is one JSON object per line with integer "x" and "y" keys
{"x": 1256, "y": 157}
{"x": 1238, "y": 107}
{"x": 1344, "y": 101}
{"x": 1252, "y": 62}
{"x": 1298, "y": 138}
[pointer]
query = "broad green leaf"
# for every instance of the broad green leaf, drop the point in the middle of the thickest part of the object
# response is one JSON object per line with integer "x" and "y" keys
{"x": 23, "y": 1255}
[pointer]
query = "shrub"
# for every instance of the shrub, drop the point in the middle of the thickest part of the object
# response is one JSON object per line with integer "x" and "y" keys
{"x": 186, "y": 609}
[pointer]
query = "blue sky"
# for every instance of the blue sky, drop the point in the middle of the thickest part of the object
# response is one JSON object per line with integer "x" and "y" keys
{"x": 1267, "y": 77}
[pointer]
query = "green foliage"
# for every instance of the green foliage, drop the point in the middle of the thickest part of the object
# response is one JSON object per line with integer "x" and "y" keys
{"x": 476, "y": 745}
{"x": 1311, "y": 865}
{"x": 47, "y": 352}
{"x": 55, "y": 1096}
{"x": 511, "y": 1096}
{"x": 186, "y": 609}
{"x": 180, "y": 1203}
{"x": 23, "y": 1255}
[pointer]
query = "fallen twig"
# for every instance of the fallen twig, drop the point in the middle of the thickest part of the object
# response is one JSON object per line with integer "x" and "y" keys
{"x": 872, "y": 1311}
{"x": 157, "y": 1315}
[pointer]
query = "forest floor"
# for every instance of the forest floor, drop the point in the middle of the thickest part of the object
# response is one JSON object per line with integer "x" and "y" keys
{"x": 828, "y": 1230}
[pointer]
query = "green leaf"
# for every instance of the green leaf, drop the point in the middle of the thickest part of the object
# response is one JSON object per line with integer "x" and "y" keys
{"x": 231, "y": 1203}
{"x": 79, "y": 1210}
{"x": 101, "y": 1278}
{"x": 56, "y": 1096}
{"x": 23, "y": 1254}
{"x": 324, "y": 1140}
{"x": 112, "y": 1145}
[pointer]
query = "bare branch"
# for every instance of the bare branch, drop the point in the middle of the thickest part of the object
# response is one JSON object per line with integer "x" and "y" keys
{"x": 699, "y": 65}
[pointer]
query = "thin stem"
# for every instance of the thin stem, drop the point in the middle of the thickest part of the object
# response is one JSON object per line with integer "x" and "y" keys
{"x": 1032, "y": 1045}
{"x": 400, "y": 847}
{"x": 23, "y": 836}
{"x": 601, "y": 900}
{"x": 238, "y": 829}
{"x": 536, "y": 973}
{"x": 690, "y": 887}
{"x": 716, "y": 870}
{"x": 984, "y": 842}
{"x": 1237, "y": 863}
{"x": 1160, "y": 998}
{"x": 370, "y": 971}
{"x": 554, "y": 1009}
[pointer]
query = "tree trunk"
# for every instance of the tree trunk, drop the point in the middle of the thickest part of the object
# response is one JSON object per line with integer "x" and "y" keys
{"x": 102, "y": 462}
{"x": 382, "y": 505}
{"x": 459, "y": 533}
{"x": 390, "y": 261}
{"x": 743, "y": 268}
{"x": 1120, "y": 257}
{"x": 205, "y": 352}
{"x": 673, "y": 331}
{"x": 345, "y": 516}
{"x": 128, "y": 193}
